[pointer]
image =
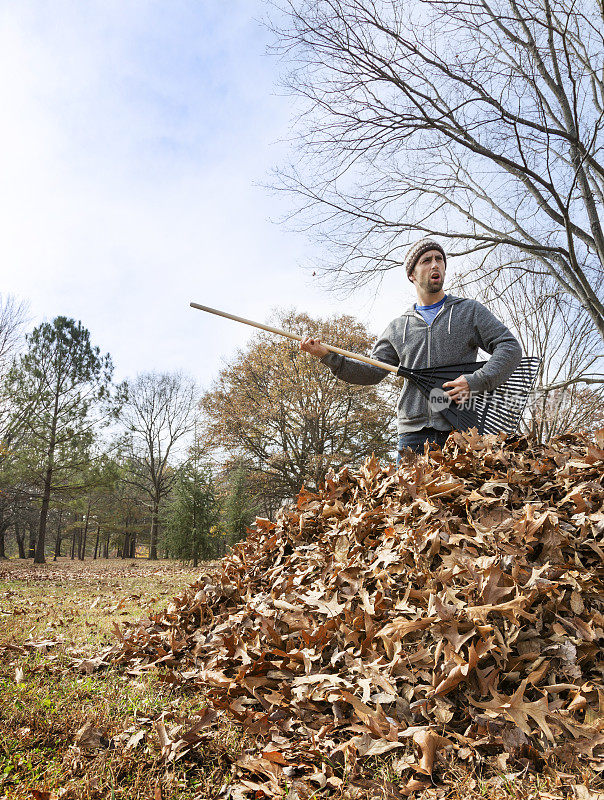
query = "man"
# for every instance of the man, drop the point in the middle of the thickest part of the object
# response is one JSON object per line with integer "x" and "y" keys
{"x": 439, "y": 329}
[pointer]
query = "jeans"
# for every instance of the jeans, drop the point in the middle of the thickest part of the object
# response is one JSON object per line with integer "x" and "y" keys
{"x": 416, "y": 440}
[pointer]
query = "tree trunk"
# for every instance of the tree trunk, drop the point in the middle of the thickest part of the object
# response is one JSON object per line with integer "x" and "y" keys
{"x": 133, "y": 544}
{"x": 58, "y": 538}
{"x": 73, "y": 538}
{"x": 50, "y": 456}
{"x": 32, "y": 540}
{"x": 20, "y": 538}
{"x": 3, "y": 528}
{"x": 106, "y": 548}
{"x": 41, "y": 543}
{"x": 154, "y": 528}
{"x": 195, "y": 557}
{"x": 96, "y": 544}
{"x": 86, "y": 523}
{"x": 126, "y": 547}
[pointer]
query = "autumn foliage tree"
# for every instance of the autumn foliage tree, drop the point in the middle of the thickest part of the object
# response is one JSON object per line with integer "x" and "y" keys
{"x": 288, "y": 416}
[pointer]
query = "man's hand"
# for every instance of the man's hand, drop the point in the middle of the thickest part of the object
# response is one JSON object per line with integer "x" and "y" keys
{"x": 458, "y": 390}
{"x": 314, "y": 347}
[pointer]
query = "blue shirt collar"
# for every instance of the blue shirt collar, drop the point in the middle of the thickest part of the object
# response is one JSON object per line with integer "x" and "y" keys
{"x": 434, "y": 305}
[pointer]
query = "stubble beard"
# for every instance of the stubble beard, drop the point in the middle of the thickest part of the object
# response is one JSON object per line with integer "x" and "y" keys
{"x": 431, "y": 288}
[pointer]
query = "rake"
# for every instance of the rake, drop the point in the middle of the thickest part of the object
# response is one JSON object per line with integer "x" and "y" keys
{"x": 488, "y": 412}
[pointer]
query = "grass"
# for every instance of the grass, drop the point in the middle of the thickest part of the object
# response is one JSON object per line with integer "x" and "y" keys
{"x": 81, "y": 601}
{"x": 43, "y": 702}
{"x": 73, "y": 607}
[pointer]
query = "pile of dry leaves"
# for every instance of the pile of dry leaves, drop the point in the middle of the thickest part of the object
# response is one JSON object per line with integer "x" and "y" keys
{"x": 451, "y": 610}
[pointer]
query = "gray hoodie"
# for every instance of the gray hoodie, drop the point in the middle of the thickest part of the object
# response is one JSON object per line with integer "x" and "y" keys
{"x": 459, "y": 329}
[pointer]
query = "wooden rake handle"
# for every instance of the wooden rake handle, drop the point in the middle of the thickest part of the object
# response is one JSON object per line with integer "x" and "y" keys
{"x": 365, "y": 359}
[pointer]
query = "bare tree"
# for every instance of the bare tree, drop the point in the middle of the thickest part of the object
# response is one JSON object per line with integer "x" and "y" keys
{"x": 158, "y": 414}
{"x": 474, "y": 120}
{"x": 288, "y": 418}
{"x": 13, "y": 317}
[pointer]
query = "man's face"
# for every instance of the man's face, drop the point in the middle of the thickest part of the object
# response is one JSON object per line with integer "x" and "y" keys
{"x": 429, "y": 272}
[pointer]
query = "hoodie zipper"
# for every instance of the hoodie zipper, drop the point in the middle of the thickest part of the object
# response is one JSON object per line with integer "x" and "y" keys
{"x": 440, "y": 310}
{"x": 429, "y": 349}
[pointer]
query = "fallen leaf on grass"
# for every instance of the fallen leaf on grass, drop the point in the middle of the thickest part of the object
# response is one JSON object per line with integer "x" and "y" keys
{"x": 89, "y": 737}
{"x": 164, "y": 740}
{"x": 412, "y": 786}
{"x": 275, "y": 756}
{"x": 135, "y": 740}
{"x": 42, "y": 645}
{"x": 428, "y": 743}
{"x": 366, "y": 745}
{"x": 89, "y": 665}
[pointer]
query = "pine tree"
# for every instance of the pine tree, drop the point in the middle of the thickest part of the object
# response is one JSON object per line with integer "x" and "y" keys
{"x": 193, "y": 515}
{"x": 240, "y": 505}
{"x": 60, "y": 392}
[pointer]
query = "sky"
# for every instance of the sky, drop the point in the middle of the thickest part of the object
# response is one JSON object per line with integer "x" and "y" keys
{"x": 137, "y": 137}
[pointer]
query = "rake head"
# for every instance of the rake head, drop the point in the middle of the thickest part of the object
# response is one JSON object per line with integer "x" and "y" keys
{"x": 489, "y": 412}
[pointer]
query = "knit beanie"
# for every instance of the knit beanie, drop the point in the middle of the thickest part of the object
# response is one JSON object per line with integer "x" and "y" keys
{"x": 417, "y": 250}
